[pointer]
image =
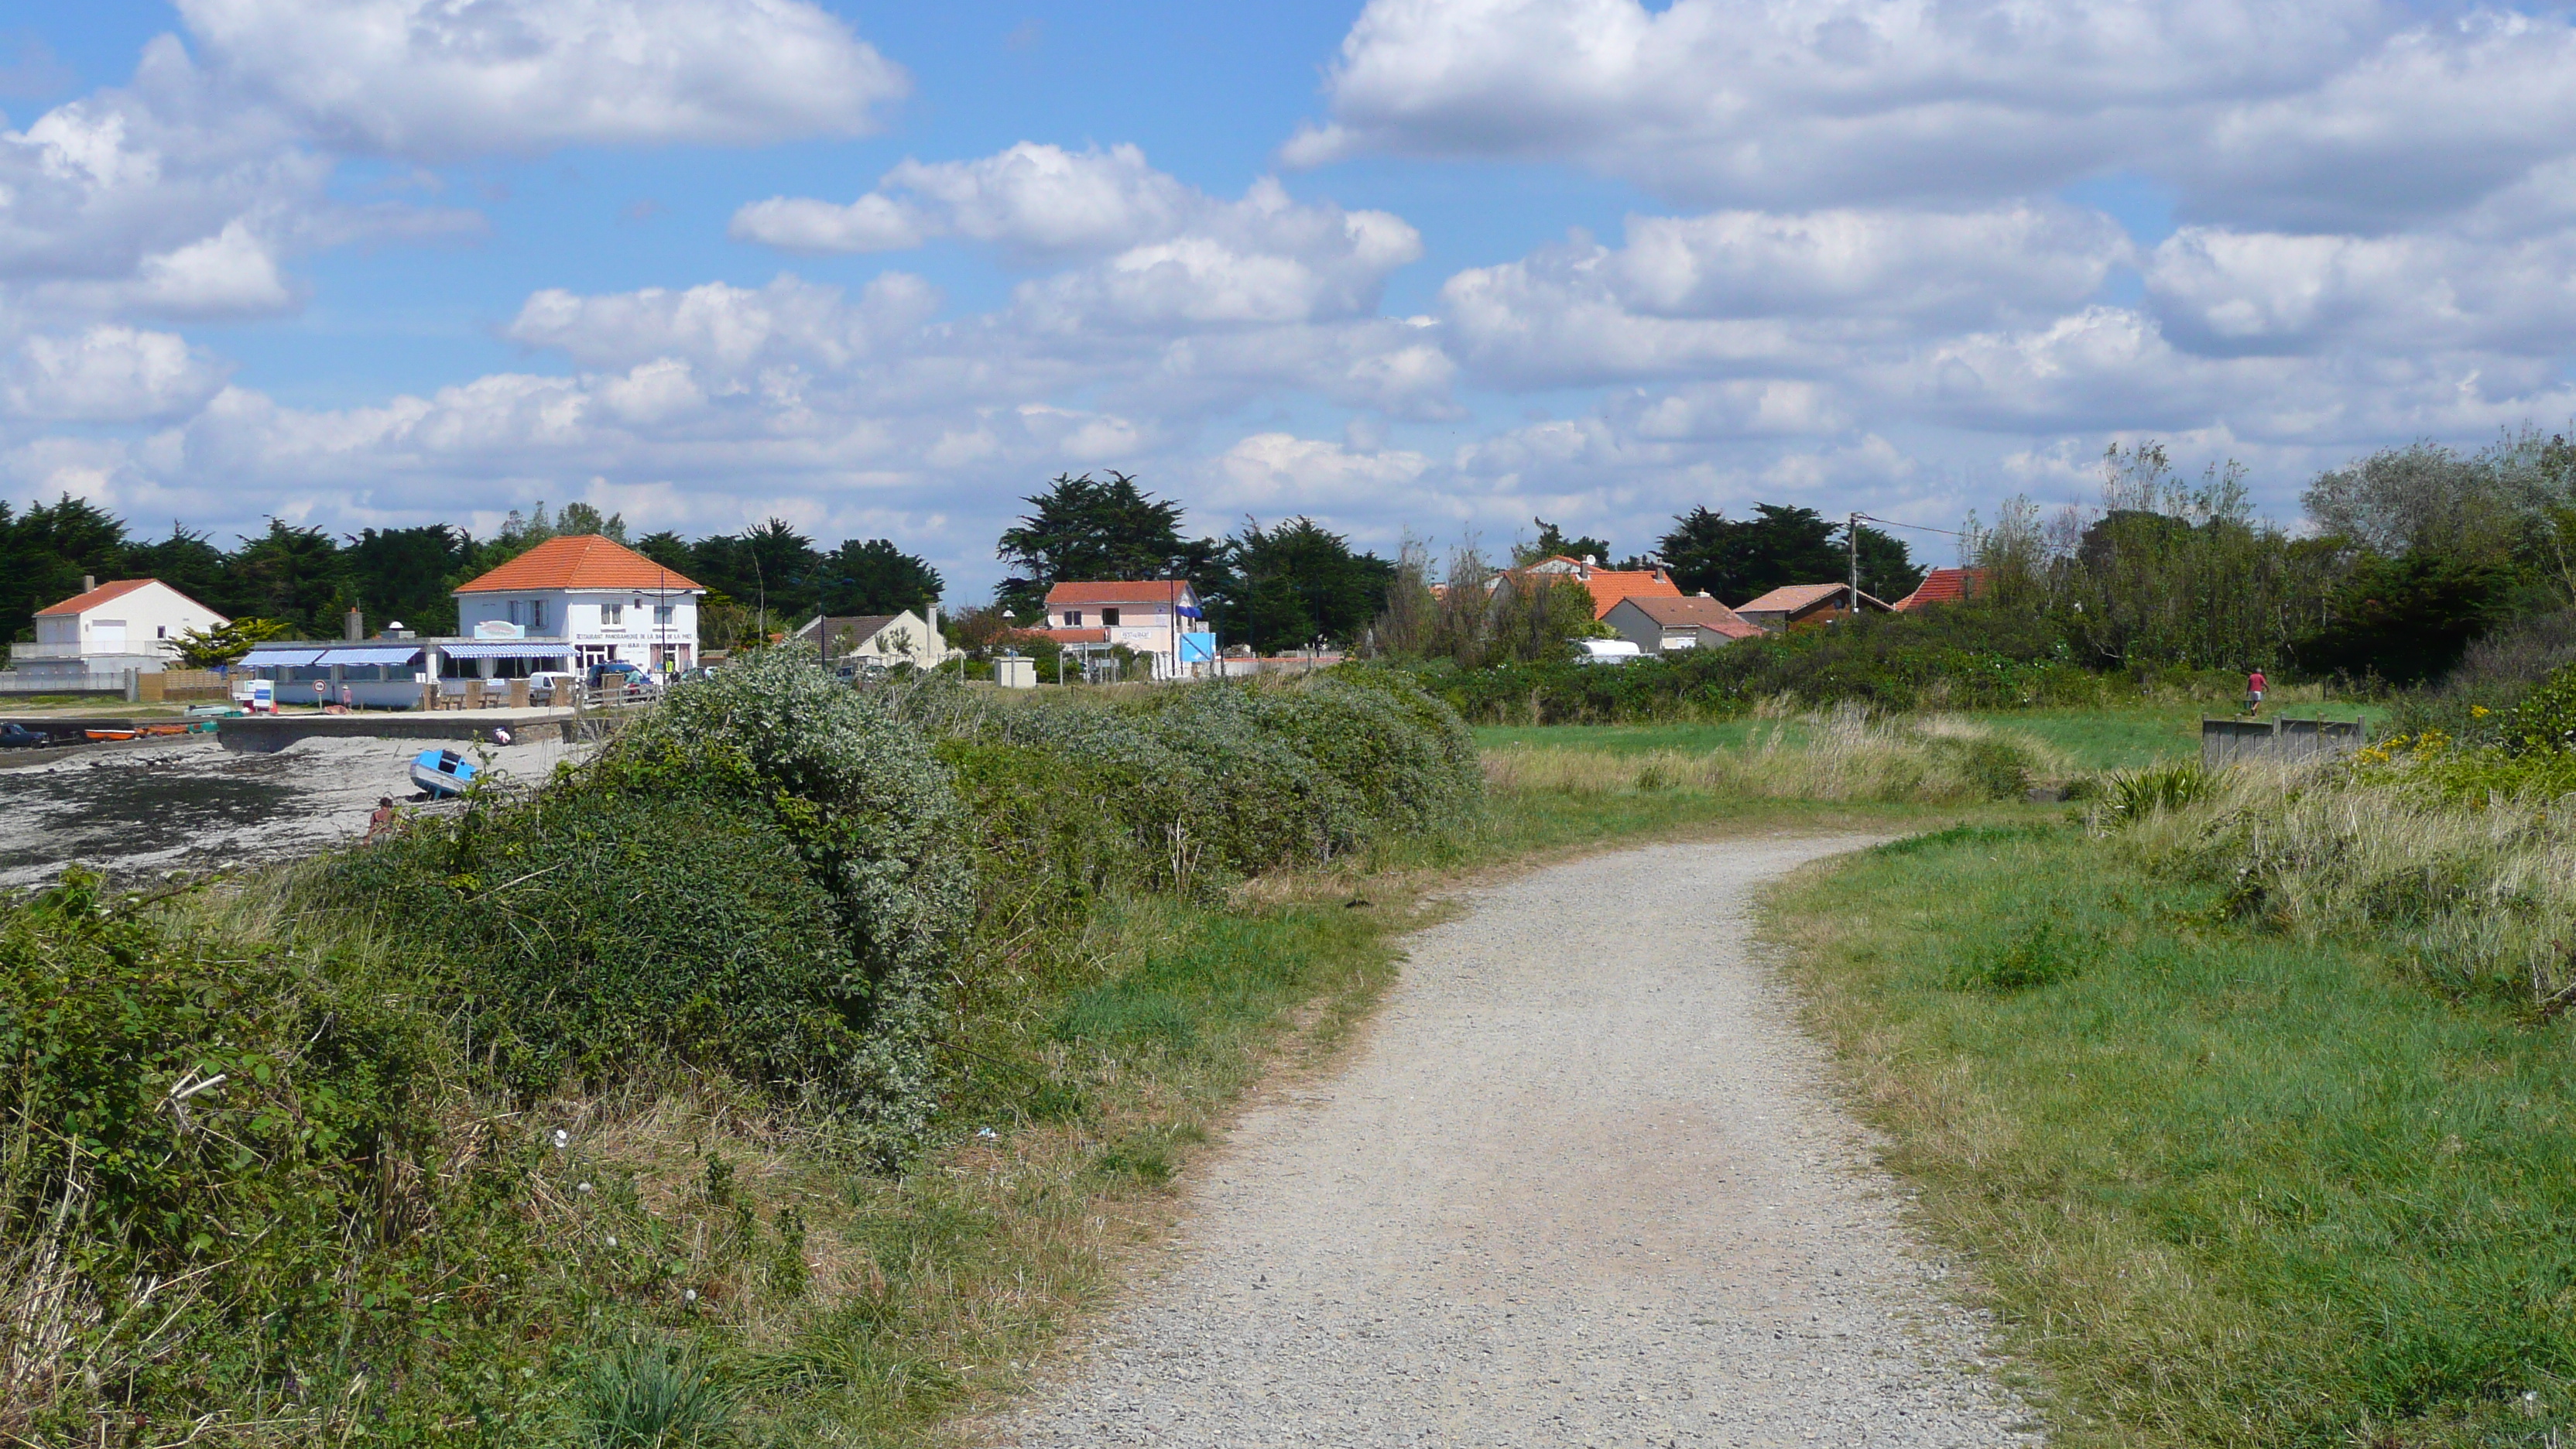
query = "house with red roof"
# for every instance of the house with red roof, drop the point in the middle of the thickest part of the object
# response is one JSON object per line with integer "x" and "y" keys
{"x": 1159, "y": 618}
{"x": 108, "y": 629}
{"x": 1943, "y": 586}
{"x": 1806, "y": 606}
{"x": 582, "y": 599}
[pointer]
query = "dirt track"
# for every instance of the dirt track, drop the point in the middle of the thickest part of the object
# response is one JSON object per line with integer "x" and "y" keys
{"x": 1585, "y": 1184}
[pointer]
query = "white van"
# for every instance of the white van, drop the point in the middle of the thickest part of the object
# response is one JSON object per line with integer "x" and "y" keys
{"x": 1605, "y": 651}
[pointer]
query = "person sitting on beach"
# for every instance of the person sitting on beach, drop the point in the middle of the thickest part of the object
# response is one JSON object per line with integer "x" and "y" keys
{"x": 384, "y": 818}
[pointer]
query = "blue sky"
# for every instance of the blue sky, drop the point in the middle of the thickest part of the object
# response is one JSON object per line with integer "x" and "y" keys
{"x": 1425, "y": 266}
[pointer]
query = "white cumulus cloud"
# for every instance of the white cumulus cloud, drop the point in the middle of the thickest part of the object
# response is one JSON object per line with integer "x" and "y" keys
{"x": 107, "y": 374}
{"x": 439, "y": 79}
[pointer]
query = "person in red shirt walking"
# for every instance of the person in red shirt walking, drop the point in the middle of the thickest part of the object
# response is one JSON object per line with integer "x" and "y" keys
{"x": 2254, "y": 686}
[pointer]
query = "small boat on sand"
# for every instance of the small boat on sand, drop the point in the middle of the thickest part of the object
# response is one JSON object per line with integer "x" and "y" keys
{"x": 109, "y": 734}
{"x": 442, "y": 772}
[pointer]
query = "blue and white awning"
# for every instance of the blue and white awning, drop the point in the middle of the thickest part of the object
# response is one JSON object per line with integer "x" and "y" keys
{"x": 293, "y": 657}
{"x": 507, "y": 649}
{"x": 371, "y": 654}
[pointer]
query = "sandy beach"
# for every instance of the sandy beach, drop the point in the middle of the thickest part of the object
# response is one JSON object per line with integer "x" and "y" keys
{"x": 192, "y": 805}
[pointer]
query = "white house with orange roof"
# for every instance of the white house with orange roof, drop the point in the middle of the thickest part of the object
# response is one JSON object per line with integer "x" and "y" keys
{"x": 592, "y": 598}
{"x": 1158, "y": 618}
{"x": 108, "y": 629}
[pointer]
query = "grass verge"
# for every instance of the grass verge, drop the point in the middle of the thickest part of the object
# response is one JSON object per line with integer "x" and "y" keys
{"x": 2226, "y": 1186}
{"x": 2089, "y": 739}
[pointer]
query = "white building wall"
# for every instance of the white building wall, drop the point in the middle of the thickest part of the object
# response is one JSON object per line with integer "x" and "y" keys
{"x": 138, "y": 629}
{"x": 603, "y": 624}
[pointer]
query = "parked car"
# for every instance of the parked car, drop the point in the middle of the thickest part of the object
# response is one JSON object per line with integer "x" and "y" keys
{"x": 552, "y": 686}
{"x": 615, "y": 674}
{"x": 1605, "y": 651}
{"x": 15, "y": 736}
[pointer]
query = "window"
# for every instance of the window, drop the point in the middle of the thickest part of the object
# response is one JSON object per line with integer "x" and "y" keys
{"x": 161, "y": 632}
{"x": 662, "y": 614}
{"x": 536, "y": 613}
{"x": 1073, "y": 618}
{"x": 612, "y": 616}
{"x": 514, "y": 612}
{"x": 1109, "y": 617}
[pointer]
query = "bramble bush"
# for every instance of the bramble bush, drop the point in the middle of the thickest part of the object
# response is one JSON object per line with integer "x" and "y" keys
{"x": 766, "y": 876}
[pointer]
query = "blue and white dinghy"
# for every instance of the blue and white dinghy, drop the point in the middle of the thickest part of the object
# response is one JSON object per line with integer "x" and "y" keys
{"x": 442, "y": 772}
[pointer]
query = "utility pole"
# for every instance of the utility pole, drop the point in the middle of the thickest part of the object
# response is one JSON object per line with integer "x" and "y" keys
{"x": 1851, "y": 535}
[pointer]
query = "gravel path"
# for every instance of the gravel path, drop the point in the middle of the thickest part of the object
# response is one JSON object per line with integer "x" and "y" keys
{"x": 1585, "y": 1184}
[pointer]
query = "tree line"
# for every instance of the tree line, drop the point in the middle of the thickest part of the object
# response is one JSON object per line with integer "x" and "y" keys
{"x": 2409, "y": 554}
{"x": 1293, "y": 583}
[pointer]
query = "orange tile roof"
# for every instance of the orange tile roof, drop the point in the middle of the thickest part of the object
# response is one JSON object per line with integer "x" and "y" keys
{"x": 1161, "y": 591}
{"x": 579, "y": 561}
{"x": 1944, "y": 586}
{"x": 81, "y": 603}
{"x": 1063, "y": 636}
{"x": 1789, "y": 598}
{"x": 1703, "y": 613}
{"x": 1609, "y": 586}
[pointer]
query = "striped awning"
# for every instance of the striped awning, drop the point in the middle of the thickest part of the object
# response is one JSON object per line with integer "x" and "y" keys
{"x": 296, "y": 657}
{"x": 371, "y": 654}
{"x": 507, "y": 649}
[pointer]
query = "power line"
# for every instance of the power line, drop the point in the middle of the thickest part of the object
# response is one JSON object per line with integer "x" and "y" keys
{"x": 1917, "y": 527}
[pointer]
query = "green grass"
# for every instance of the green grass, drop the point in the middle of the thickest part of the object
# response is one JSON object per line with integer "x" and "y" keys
{"x": 2225, "y": 1187}
{"x": 2093, "y": 739}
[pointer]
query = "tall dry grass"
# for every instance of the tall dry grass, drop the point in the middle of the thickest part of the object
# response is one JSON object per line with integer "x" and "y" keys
{"x": 2478, "y": 895}
{"x": 1847, "y": 755}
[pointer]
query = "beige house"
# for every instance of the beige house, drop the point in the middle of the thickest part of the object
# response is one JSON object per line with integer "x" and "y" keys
{"x": 1806, "y": 606}
{"x": 883, "y": 639}
{"x": 108, "y": 629}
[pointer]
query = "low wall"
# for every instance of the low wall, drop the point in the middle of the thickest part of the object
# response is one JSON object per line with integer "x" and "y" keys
{"x": 2233, "y": 741}
{"x": 267, "y": 734}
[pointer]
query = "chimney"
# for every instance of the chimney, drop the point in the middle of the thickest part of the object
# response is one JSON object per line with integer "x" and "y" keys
{"x": 353, "y": 625}
{"x": 88, "y": 582}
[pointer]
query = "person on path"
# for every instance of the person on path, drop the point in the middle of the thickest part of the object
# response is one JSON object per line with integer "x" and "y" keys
{"x": 2254, "y": 687}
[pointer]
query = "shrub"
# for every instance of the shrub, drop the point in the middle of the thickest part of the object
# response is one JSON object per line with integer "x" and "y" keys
{"x": 589, "y": 932}
{"x": 202, "y": 1139}
{"x": 2545, "y": 718}
{"x": 2131, "y": 795}
{"x": 1212, "y": 782}
{"x": 768, "y": 874}
{"x": 641, "y": 1393}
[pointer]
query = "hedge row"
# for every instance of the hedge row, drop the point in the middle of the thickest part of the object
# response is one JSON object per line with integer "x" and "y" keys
{"x": 1958, "y": 657}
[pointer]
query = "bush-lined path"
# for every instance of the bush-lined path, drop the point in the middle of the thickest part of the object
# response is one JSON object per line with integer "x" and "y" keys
{"x": 1585, "y": 1184}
